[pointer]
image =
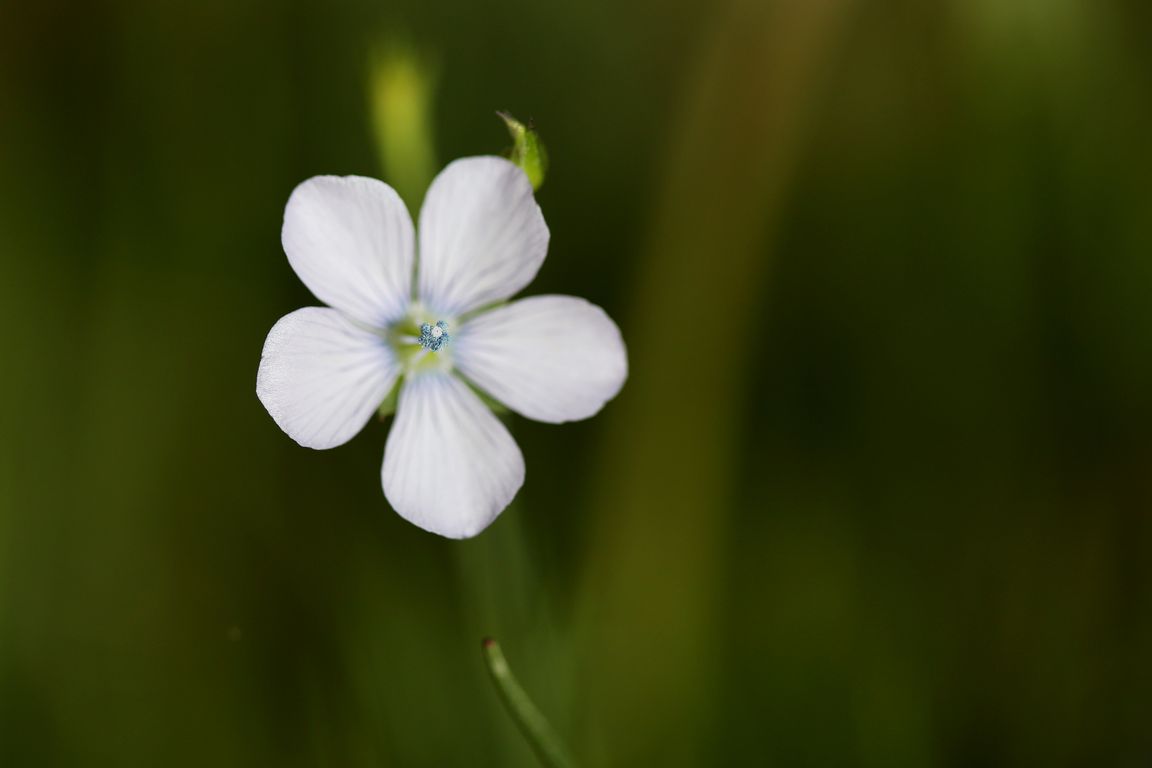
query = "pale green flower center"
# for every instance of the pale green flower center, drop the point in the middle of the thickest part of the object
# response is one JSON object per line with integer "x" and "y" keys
{"x": 421, "y": 342}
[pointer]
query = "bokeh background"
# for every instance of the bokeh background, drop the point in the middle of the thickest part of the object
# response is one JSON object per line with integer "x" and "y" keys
{"x": 878, "y": 491}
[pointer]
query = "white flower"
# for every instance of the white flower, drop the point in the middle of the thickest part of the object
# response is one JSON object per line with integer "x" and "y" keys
{"x": 450, "y": 465}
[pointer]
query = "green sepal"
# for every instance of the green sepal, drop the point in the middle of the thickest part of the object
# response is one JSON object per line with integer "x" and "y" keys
{"x": 495, "y": 405}
{"x": 388, "y": 407}
{"x": 527, "y": 150}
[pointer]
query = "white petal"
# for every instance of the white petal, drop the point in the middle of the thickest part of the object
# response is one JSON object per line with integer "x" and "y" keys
{"x": 550, "y": 358}
{"x": 482, "y": 236}
{"x": 322, "y": 377}
{"x": 350, "y": 240}
{"x": 450, "y": 466}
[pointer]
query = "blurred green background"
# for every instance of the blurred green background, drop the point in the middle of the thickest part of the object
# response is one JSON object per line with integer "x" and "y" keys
{"x": 879, "y": 489}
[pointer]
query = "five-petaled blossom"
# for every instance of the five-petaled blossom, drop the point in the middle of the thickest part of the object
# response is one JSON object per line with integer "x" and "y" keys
{"x": 436, "y": 326}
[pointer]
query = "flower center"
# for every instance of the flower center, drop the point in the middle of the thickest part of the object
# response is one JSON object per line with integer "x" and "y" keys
{"x": 415, "y": 337}
{"x": 432, "y": 337}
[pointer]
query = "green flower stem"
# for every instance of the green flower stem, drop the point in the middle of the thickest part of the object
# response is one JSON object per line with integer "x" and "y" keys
{"x": 544, "y": 741}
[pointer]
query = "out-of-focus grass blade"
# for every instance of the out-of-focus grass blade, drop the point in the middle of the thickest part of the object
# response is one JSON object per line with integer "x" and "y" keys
{"x": 545, "y": 743}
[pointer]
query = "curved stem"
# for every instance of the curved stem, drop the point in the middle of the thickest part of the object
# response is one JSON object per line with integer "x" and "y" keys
{"x": 544, "y": 741}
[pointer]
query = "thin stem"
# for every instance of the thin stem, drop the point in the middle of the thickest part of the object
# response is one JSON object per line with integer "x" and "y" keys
{"x": 544, "y": 741}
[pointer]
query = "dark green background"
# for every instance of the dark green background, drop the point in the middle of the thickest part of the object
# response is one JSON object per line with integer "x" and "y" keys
{"x": 878, "y": 491}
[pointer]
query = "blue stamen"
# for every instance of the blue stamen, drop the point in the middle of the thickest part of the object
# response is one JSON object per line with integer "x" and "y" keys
{"x": 432, "y": 337}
